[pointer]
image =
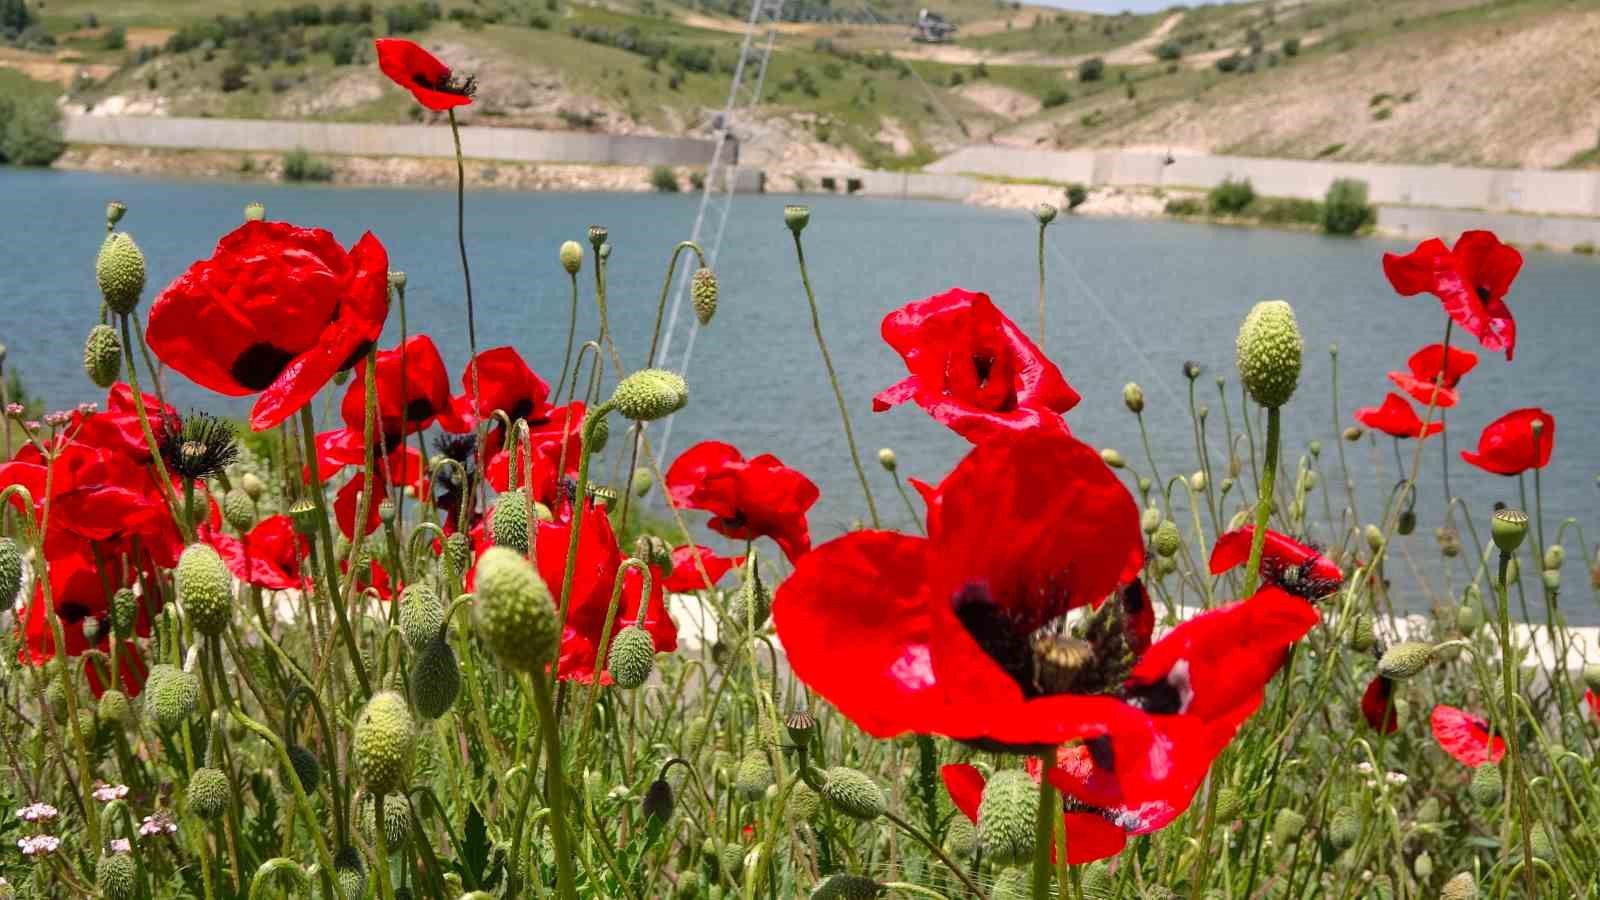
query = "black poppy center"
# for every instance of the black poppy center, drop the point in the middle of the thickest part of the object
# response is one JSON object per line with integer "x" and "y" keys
{"x": 1483, "y": 293}
{"x": 419, "y": 410}
{"x": 448, "y": 83}
{"x": 522, "y": 410}
{"x": 982, "y": 365}
{"x": 260, "y": 365}
{"x": 355, "y": 355}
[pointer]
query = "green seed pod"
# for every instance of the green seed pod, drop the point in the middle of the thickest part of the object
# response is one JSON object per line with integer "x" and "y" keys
{"x": 1405, "y": 660}
{"x": 205, "y": 588}
{"x": 632, "y": 657}
{"x": 239, "y": 511}
{"x": 961, "y": 838}
{"x": 351, "y": 873}
{"x": 572, "y": 257}
{"x": 384, "y": 735}
{"x": 508, "y": 523}
{"x": 703, "y": 294}
{"x": 115, "y": 876}
{"x": 115, "y": 707}
{"x": 1428, "y": 810}
{"x": 304, "y": 515}
{"x": 1269, "y": 348}
{"x": 120, "y": 270}
{"x": 1449, "y": 541}
{"x": 396, "y": 821}
{"x": 306, "y": 767}
{"x": 1552, "y": 580}
{"x": 1014, "y": 883}
{"x": 208, "y": 793}
{"x": 421, "y": 615}
{"x": 10, "y": 572}
{"x": 1133, "y": 397}
{"x": 650, "y": 394}
{"x": 170, "y": 696}
{"x": 1287, "y": 827}
{"x": 753, "y": 777}
{"x": 796, "y": 216}
{"x": 598, "y": 235}
{"x": 1422, "y": 866}
{"x": 1113, "y": 458}
{"x": 255, "y": 211}
{"x": 840, "y": 886}
{"x": 1508, "y": 528}
{"x": 115, "y": 210}
{"x": 1005, "y": 817}
{"x": 1166, "y": 541}
{"x": 1460, "y": 887}
{"x": 102, "y": 356}
{"x": 730, "y": 860}
{"x": 435, "y": 678}
{"x": 1344, "y": 829}
{"x": 1487, "y": 786}
{"x": 853, "y": 793}
{"x": 805, "y": 801}
{"x": 515, "y": 614}
{"x": 753, "y": 603}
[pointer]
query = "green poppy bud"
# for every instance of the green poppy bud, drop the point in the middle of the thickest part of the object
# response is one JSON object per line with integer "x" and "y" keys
{"x": 1287, "y": 827}
{"x": 1150, "y": 520}
{"x": 384, "y": 734}
{"x": 961, "y": 838}
{"x": 421, "y": 615}
{"x": 1552, "y": 580}
{"x": 753, "y": 603}
{"x": 396, "y": 820}
{"x": 115, "y": 876}
{"x": 1045, "y": 213}
{"x": 1133, "y": 397}
{"x": 1487, "y": 785}
{"x": 120, "y": 270}
{"x": 643, "y": 481}
{"x": 1315, "y": 447}
{"x": 306, "y": 767}
{"x": 650, "y": 394}
{"x": 1374, "y": 536}
{"x": 1269, "y": 348}
{"x": 102, "y": 356}
{"x": 572, "y": 257}
{"x": 853, "y": 793}
{"x": 1113, "y": 458}
{"x": 1014, "y": 883}
{"x": 1005, "y": 817}
{"x": 239, "y": 511}
{"x": 1362, "y": 637}
{"x": 753, "y": 776}
{"x": 888, "y": 460}
{"x": 208, "y": 793}
{"x": 703, "y": 294}
{"x": 840, "y": 886}
{"x": 1428, "y": 810}
{"x": 1460, "y": 887}
{"x": 170, "y": 696}
{"x": 796, "y": 217}
{"x": 1422, "y": 866}
{"x": 458, "y": 553}
{"x": 1509, "y": 527}
{"x": 508, "y": 523}
{"x": 205, "y": 588}
{"x": 115, "y": 707}
{"x": 1166, "y": 540}
{"x": 1406, "y": 523}
{"x": 10, "y": 572}
{"x": 351, "y": 873}
{"x": 1344, "y": 829}
{"x": 805, "y": 801}
{"x": 632, "y": 657}
{"x": 435, "y": 678}
{"x": 1097, "y": 883}
{"x": 252, "y": 485}
{"x": 1352, "y": 434}
{"x": 1405, "y": 660}
{"x": 515, "y": 614}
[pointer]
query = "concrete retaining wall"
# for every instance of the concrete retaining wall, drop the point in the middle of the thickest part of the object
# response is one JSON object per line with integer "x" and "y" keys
{"x": 515, "y": 144}
{"x": 1560, "y": 232}
{"x": 1512, "y": 190}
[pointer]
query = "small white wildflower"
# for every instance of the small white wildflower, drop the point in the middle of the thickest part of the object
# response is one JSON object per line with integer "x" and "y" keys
{"x": 121, "y": 845}
{"x": 1396, "y": 778}
{"x": 1364, "y": 767}
{"x": 106, "y": 793}
{"x": 37, "y": 812}
{"x": 38, "y": 845}
{"x": 157, "y": 824}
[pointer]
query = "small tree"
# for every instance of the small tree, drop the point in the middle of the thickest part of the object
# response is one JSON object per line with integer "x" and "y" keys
{"x": 1076, "y": 195}
{"x": 1291, "y": 46}
{"x": 1231, "y": 197}
{"x": 664, "y": 180}
{"x": 30, "y": 132}
{"x": 1345, "y": 209}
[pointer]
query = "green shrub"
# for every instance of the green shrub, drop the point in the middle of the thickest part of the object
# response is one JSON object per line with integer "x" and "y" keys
{"x": 1184, "y": 206}
{"x": 1287, "y": 211}
{"x": 1076, "y": 195}
{"x": 1231, "y": 197}
{"x": 1345, "y": 209}
{"x": 1584, "y": 248}
{"x": 298, "y": 165}
{"x": 234, "y": 77}
{"x": 1291, "y": 46}
{"x": 30, "y": 132}
{"x": 663, "y": 179}
{"x": 1231, "y": 62}
{"x": 115, "y": 38}
{"x": 1054, "y": 97}
{"x": 342, "y": 46}
{"x": 1092, "y": 69}
{"x": 1168, "y": 51}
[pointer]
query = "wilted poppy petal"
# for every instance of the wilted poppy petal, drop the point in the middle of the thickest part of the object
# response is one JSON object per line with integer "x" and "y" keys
{"x": 1466, "y": 737}
{"x": 1377, "y": 705}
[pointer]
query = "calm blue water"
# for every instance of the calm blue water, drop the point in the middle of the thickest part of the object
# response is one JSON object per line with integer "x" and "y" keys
{"x": 1129, "y": 300}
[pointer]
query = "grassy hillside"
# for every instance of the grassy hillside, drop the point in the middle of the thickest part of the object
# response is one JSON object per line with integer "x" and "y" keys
{"x": 1463, "y": 81}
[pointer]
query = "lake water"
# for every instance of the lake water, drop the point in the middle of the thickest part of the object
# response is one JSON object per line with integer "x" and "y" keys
{"x": 1129, "y": 300}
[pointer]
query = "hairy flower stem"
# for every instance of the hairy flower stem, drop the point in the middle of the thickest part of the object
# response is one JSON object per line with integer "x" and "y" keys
{"x": 1043, "y": 833}
{"x": 572, "y": 331}
{"x": 466, "y": 270}
{"x": 555, "y": 783}
{"x": 1269, "y": 474}
{"x": 385, "y": 889}
{"x": 330, "y": 565}
{"x": 163, "y": 480}
{"x": 1040, "y": 254}
{"x": 666, "y": 284}
{"x": 833, "y": 379}
{"x": 1508, "y": 724}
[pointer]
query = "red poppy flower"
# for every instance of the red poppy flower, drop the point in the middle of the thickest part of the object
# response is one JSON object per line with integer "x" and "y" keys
{"x": 132, "y": 670}
{"x": 1377, "y": 705}
{"x": 1466, "y": 737}
{"x": 1471, "y": 280}
{"x": 971, "y": 367}
{"x": 1508, "y": 446}
{"x": 557, "y": 448}
{"x": 421, "y": 73}
{"x": 267, "y": 557}
{"x": 1593, "y": 700}
{"x": 594, "y": 574}
{"x": 1091, "y": 834}
{"x": 1396, "y": 418}
{"x": 277, "y": 310}
{"x": 1297, "y": 568}
{"x": 402, "y": 467}
{"x": 686, "y": 577}
{"x": 938, "y": 634}
{"x": 504, "y": 383}
{"x": 409, "y": 406}
{"x": 747, "y": 499}
{"x": 1435, "y": 361}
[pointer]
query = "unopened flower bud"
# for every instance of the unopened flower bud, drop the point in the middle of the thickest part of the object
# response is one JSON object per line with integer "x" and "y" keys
{"x": 1487, "y": 785}
{"x": 208, "y": 793}
{"x": 703, "y": 294}
{"x": 115, "y": 210}
{"x": 1191, "y": 369}
{"x": 102, "y": 356}
{"x": 205, "y": 589}
{"x": 1361, "y": 635}
{"x": 120, "y": 270}
{"x": 1287, "y": 827}
{"x": 632, "y": 657}
{"x": 238, "y": 511}
{"x": 170, "y": 695}
{"x": 796, "y": 217}
{"x": 1197, "y": 482}
{"x": 655, "y": 551}
{"x": 307, "y": 770}
{"x": 115, "y": 707}
{"x": 255, "y": 211}
{"x": 1374, "y": 536}
{"x": 597, "y": 236}
{"x": 853, "y": 793}
{"x": 753, "y": 603}
{"x": 1552, "y": 580}
{"x": 350, "y": 872}
{"x": 1113, "y": 458}
{"x": 1460, "y": 887}
{"x": 1166, "y": 539}
{"x": 658, "y": 802}
{"x": 384, "y": 735}
{"x": 1554, "y": 556}
{"x": 1405, "y": 660}
{"x": 1150, "y": 519}
{"x": 1045, "y": 213}
{"x": 508, "y": 522}
{"x": 10, "y": 571}
{"x": 572, "y": 257}
{"x": 650, "y": 394}
{"x": 1406, "y": 523}
{"x": 1509, "y": 527}
{"x": 842, "y": 886}
{"x": 1422, "y": 866}
{"x": 1344, "y": 829}
{"x": 435, "y": 678}
{"x": 753, "y": 777}
{"x": 515, "y": 612}
{"x": 888, "y": 460}
{"x": 1269, "y": 349}
{"x": 961, "y": 838}
{"x": 1133, "y": 397}
{"x": 1005, "y": 817}
{"x": 1316, "y": 448}
{"x": 116, "y": 876}
{"x": 1353, "y": 434}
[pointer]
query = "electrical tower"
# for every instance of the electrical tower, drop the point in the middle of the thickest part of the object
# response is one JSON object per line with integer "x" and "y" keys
{"x": 716, "y": 196}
